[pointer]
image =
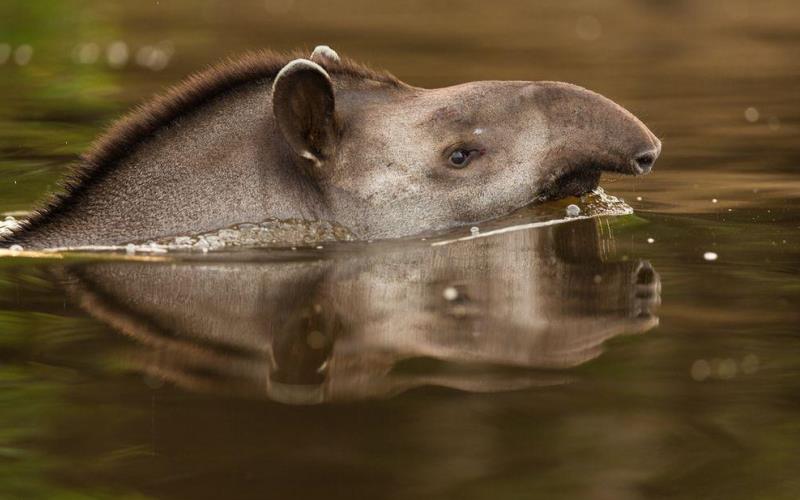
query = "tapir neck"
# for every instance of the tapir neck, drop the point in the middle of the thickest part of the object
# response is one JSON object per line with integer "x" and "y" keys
{"x": 221, "y": 164}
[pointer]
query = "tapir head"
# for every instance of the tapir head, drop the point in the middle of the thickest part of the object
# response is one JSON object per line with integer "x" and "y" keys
{"x": 395, "y": 160}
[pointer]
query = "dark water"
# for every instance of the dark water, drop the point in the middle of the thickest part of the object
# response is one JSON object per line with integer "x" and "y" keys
{"x": 602, "y": 358}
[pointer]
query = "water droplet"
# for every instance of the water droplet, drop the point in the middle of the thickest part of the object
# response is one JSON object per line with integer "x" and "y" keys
{"x": 638, "y": 198}
{"x": 573, "y": 210}
{"x": 651, "y": 240}
{"x": 710, "y": 256}
{"x": 450, "y": 293}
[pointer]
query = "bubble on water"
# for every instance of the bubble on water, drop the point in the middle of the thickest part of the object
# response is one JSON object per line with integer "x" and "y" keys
{"x": 573, "y": 210}
{"x": 5, "y": 52}
{"x": 597, "y": 279}
{"x": 710, "y": 256}
{"x": 714, "y": 200}
{"x": 450, "y": 293}
{"x": 751, "y": 114}
{"x": 588, "y": 28}
{"x": 700, "y": 370}
{"x": 319, "y": 247}
{"x": 749, "y": 364}
{"x": 23, "y": 55}
{"x": 638, "y": 198}
{"x": 651, "y": 240}
{"x": 15, "y": 248}
{"x": 117, "y": 54}
{"x": 474, "y": 230}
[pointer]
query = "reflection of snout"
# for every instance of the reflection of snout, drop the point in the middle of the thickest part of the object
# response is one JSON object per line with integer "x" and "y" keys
{"x": 647, "y": 289}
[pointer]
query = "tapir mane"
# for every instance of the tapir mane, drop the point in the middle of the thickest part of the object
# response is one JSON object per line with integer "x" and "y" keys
{"x": 124, "y": 135}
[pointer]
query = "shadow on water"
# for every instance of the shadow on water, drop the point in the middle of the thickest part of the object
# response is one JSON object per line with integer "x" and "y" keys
{"x": 374, "y": 323}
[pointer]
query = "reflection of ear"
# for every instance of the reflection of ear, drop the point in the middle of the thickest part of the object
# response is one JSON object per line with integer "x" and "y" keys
{"x": 304, "y": 108}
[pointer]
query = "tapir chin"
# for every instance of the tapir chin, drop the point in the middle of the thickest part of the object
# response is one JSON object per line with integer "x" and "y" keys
{"x": 272, "y": 136}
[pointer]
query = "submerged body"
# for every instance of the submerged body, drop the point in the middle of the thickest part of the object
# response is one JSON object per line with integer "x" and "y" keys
{"x": 268, "y": 137}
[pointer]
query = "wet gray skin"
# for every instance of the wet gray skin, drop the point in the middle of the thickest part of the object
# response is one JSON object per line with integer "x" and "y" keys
{"x": 342, "y": 329}
{"x": 320, "y": 140}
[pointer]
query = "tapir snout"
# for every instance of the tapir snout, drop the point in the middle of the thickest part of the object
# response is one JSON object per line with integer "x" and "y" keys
{"x": 589, "y": 134}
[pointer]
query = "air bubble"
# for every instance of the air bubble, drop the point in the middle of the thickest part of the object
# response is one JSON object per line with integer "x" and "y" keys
{"x": 573, "y": 210}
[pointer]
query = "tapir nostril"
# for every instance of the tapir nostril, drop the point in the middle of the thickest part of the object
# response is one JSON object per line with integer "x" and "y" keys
{"x": 644, "y": 161}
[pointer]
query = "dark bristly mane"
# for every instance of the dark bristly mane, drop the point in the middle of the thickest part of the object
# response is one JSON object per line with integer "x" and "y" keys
{"x": 121, "y": 138}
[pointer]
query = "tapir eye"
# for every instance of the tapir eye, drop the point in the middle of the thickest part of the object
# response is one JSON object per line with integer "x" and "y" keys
{"x": 460, "y": 157}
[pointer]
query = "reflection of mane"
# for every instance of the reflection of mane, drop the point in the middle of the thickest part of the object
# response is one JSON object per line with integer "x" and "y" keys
{"x": 522, "y": 306}
{"x": 186, "y": 97}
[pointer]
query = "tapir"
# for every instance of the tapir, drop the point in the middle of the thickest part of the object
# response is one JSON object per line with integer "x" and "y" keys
{"x": 272, "y": 136}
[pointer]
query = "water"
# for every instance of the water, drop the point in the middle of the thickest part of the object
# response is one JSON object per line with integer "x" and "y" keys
{"x": 603, "y": 357}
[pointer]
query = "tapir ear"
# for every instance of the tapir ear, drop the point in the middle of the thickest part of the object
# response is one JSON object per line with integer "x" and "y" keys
{"x": 324, "y": 54}
{"x": 304, "y": 108}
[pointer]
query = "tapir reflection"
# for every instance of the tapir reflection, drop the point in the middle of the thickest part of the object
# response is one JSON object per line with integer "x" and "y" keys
{"x": 494, "y": 313}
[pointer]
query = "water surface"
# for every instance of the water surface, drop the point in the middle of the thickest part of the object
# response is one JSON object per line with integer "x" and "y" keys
{"x": 610, "y": 357}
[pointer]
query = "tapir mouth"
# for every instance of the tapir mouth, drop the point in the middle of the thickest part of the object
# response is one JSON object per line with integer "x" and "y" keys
{"x": 575, "y": 181}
